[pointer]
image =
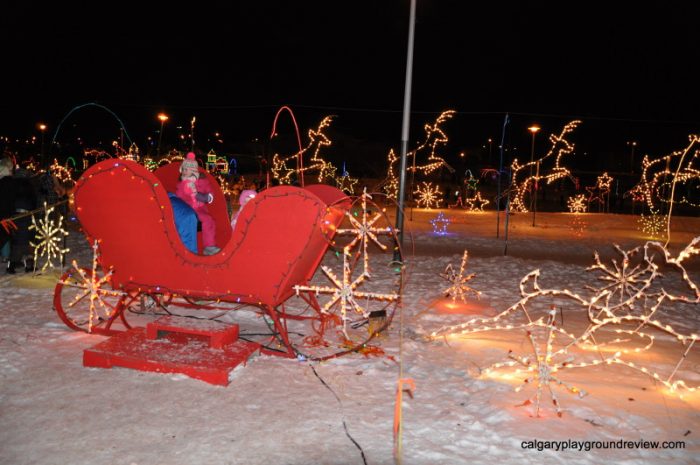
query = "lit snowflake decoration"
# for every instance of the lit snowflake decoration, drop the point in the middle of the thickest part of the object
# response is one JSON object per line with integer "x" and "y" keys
{"x": 93, "y": 287}
{"x": 623, "y": 279}
{"x": 653, "y": 224}
{"x": 577, "y": 204}
{"x": 364, "y": 230}
{"x": 428, "y": 195}
{"x": 458, "y": 280}
{"x": 542, "y": 370}
{"x": 344, "y": 293}
{"x": 49, "y": 235}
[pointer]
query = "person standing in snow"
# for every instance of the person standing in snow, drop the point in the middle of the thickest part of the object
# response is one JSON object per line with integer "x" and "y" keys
{"x": 195, "y": 190}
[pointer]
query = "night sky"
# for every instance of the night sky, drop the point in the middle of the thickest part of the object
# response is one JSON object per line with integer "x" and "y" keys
{"x": 628, "y": 70}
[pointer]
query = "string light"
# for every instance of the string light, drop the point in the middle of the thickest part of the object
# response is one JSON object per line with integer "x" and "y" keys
{"x": 49, "y": 234}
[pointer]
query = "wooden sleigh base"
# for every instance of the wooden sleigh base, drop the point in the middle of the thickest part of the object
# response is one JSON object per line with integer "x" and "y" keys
{"x": 206, "y": 352}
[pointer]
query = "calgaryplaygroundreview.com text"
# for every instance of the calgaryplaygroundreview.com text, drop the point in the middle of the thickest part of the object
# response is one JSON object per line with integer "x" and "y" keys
{"x": 586, "y": 446}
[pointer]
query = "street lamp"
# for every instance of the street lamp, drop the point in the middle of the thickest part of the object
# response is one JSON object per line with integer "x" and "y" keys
{"x": 632, "y": 145}
{"x": 163, "y": 118}
{"x": 533, "y": 193}
{"x": 42, "y": 128}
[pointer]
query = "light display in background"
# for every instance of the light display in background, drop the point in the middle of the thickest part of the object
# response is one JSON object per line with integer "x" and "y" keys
{"x": 62, "y": 174}
{"x": 435, "y": 137}
{"x": 346, "y": 183}
{"x": 652, "y": 224}
{"x": 427, "y": 195}
{"x": 528, "y": 175}
{"x": 623, "y": 314}
{"x": 440, "y": 224}
{"x": 49, "y": 235}
{"x": 600, "y": 193}
{"x": 577, "y": 204}
{"x": 660, "y": 175}
{"x": 284, "y": 169}
{"x": 476, "y": 203}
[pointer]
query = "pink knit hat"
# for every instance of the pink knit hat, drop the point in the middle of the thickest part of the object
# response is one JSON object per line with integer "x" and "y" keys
{"x": 189, "y": 164}
{"x": 246, "y": 195}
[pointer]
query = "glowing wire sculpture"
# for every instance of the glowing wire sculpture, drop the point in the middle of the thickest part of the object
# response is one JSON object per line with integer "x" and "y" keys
{"x": 458, "y": 280}
{"x": 50, "y": 234}
{"x": 434, "y": 138}
{"x": 94, "y": 287}
{"x": 577, "y": 204}
{"x": 628, "y": 286}
{"x": 317, "y": 140}
{"x": 429, "y": 196}
{"x": 560, "y": 147}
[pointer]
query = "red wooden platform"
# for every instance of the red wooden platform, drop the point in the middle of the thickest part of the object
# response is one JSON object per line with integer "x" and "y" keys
{"x": 201, "y": 349}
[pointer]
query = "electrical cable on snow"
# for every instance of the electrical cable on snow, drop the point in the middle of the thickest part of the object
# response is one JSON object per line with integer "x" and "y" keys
{"x": 345, "y": 426}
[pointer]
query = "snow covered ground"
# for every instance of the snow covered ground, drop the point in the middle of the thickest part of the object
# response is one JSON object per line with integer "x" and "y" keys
{"x": 275, "y": 410}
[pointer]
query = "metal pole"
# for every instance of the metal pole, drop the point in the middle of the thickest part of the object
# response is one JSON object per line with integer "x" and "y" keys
{"x": 500, "y": 173}
{"x": 537, "y": 176}
{"x": 404, "y": 127}
{"x": 160, "y": 135}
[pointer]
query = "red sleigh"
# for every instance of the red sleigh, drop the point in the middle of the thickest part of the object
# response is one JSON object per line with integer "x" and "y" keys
{"x": 279, "y": 241}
